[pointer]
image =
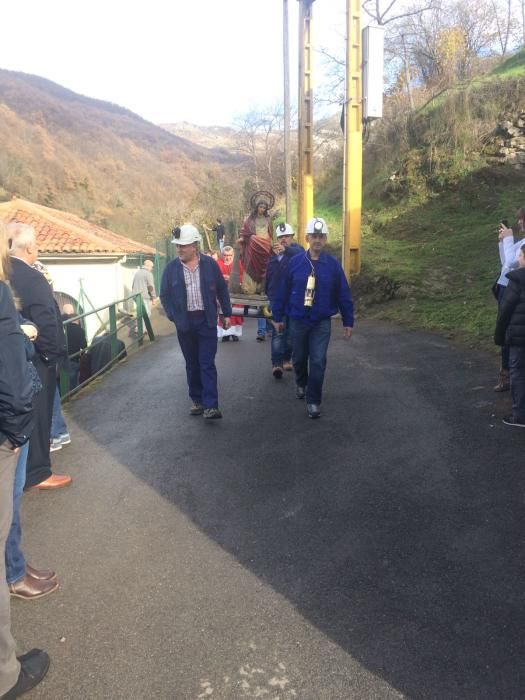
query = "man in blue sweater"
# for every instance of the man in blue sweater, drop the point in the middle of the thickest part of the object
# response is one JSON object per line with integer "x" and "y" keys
{"x": 312, "y": 291}
{"x": 283, "y": 250}
{"x": 189, "y": 290}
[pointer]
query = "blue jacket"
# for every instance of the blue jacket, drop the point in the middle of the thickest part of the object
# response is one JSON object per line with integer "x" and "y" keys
{"x": 276, "y": 269}
{"x": 213, "y": 287}
{"x": 332, "y": 292}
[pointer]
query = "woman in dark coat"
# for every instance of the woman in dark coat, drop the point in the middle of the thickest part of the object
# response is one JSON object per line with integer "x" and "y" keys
{"x": 510, "y": 330}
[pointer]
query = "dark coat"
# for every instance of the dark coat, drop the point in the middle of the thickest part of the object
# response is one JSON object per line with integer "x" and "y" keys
{"x": 276, "y": 269}
{"x": 510, "y": 326}
{"x": 40, "y": 307}
{"x": 16, "y": 389}
{"x": 213, "y": 287}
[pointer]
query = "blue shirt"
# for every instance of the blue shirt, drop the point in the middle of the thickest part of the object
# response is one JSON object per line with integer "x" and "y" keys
{"x": 332, "y": 292}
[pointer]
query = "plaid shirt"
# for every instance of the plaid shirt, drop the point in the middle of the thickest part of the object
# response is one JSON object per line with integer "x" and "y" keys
{"x": 193, "y": 288}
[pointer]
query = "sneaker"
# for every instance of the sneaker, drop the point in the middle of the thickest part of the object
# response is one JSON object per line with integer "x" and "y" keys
{"x": 314, "y": 410}
{"x": 33, "y": 667}
{"x": 197, "y": 409}
{"x": 65, "y": 439}
{"x": 299, "y": 391}
{"x": 212, "y": 413}
{"x": 516, "y": 422}
{"x": 55, "y": 445}
{"x": 277, "y": 372}
{"x": 287, "y": 366}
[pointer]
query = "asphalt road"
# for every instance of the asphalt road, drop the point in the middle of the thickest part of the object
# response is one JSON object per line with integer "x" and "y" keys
{"x": 375, "y": 553}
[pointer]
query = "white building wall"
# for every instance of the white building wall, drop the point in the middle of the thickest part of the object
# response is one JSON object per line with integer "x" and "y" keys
{"x": 102, "y": 282}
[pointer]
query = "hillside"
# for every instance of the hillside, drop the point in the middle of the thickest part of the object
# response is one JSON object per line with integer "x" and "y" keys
{"x": 98, "y": 160}
{"x": 436, "y": 186}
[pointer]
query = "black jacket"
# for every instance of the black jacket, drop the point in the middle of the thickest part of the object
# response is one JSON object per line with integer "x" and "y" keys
{"x": 16, "y": 422}
{"x": 40, "y": 307}
{"x": 510, "y": 326}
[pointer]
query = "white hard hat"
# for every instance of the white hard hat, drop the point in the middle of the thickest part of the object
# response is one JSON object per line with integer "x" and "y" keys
{"x": 317, "y": 225}
{"x": 186, "y": 235}
{"x": 284, "y": 230}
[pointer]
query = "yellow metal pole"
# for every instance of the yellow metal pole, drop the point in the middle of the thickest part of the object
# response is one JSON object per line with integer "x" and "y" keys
{"x": 305, "y": 180}
{"x": 353, "y": 165}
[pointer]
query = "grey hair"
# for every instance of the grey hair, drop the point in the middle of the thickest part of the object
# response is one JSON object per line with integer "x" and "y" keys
{"x": 21, "y": 235}
{"x": 228, "y": 249}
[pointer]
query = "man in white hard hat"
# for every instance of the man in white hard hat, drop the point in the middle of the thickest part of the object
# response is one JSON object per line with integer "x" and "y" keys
{"x": 313, "y": 290}
{"x": 190, "y": 287}
{"x": 284, "y": 248}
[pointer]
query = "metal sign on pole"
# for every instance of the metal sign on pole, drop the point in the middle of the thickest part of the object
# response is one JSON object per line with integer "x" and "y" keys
{"x": 305, "y": 180}
{"x": 353, "y": 160}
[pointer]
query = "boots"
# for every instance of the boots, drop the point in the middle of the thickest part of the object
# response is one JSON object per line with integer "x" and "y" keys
{"x": 504, "y": 381}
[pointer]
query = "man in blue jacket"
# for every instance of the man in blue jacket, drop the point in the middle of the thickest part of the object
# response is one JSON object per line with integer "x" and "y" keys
{"x": 283, "y": 250}
{"x": 312, "y": 291}
{"x": 190, "y": 287}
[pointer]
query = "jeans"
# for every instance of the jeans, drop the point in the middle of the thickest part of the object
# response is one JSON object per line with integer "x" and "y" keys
{"x": 199, "y": 347}
{"x": 281, "y": 345}
{"x": 263, "y": 327}
{"x": 15, "y": 563}
{"x": 517, "y": 381}
{"x": 9, "y": 666}
{"x": 505, "y": 360}
{"x": 310, "y": 345}
{"x": 58, "y": 424}
{"x": 38, "y": 461}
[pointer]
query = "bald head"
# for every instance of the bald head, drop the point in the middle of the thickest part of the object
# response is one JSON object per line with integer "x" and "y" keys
{"x": 148, "y": 265}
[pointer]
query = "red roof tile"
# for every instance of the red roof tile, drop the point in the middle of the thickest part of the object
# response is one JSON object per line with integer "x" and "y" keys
{"x": 61, "y": 232}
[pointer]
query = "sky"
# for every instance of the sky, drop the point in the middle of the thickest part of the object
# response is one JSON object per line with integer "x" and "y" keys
{"x": 200, "y": 61}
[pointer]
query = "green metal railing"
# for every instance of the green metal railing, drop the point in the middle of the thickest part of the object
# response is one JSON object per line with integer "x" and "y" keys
{"x": 142, "y": 320}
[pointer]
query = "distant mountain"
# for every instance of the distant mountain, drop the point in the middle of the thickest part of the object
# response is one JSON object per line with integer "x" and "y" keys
{"x": 217, "y": 137}
{"x": 98, "y": 160}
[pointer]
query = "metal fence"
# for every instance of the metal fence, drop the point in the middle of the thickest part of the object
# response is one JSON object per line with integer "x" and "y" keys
{"x": 119, "y": 322}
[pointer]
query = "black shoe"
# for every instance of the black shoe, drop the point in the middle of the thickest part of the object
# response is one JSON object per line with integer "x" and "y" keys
{"x": 516, "y": 422}
{"x": 235, "y": 338}
{"x": 299, "y": 391}
{"x": 212, "y": 413}
{"x": 196, "y": 410}
{"x": 261, "y": 338}
{"x": 277, "y": 372}
{"x": 314, "y": 410}
{"x": 225, "y": 338}
{"x": 33, "y": 667}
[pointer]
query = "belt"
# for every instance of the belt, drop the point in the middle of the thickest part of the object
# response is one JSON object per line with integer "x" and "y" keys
{"x": 196, "y": 313}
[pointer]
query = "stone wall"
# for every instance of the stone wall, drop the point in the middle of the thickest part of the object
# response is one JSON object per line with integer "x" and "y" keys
{"x": 511, "y": 141}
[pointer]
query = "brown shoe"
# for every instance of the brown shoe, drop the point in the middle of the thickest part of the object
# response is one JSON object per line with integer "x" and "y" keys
{"x": 29, "y": 588}
{"x": 40, "y": 574}
{"x": 287, "y": 366}
{"x": 504, "y": 381}
{"x": 55, "y": 481}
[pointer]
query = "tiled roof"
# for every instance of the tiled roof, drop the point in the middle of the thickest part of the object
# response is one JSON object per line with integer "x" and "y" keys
{"x": 60, "y": 232}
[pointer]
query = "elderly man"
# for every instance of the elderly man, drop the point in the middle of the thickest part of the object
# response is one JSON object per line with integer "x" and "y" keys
{"x": 17, "y": 676}
{"x": 190, "y": 287}
{"x": 314, "y": 288}
{"x": 39, "y": 306}
{"x": 144, "y": 284}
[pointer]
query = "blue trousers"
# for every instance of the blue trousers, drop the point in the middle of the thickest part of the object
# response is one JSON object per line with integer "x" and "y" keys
{"x": 281, "y": 345}
{"x": 58, "y": 424}
{"x": 15, "y": 563}
{"x": 310, "y": 345}
{"x": 517, "y": 380}
{"x": 505, "y": 350}
{"x": 199, "y": 347}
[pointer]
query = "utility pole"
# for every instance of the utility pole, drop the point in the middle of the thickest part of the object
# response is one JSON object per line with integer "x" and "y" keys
{"x": 305, "y": 179}
{"x": 353, "y": 161}
{"x": 287, "y": 164}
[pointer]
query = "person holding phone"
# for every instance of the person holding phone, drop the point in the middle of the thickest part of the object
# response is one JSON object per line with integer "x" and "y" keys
{"x": 508, "y": 253}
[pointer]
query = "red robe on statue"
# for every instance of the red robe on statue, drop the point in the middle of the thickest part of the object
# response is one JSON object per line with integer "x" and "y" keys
{"x": 255, "y": 250}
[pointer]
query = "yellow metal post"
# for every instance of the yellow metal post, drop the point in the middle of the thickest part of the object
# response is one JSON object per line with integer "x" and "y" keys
{"x": 353, "y": 166}
{"x": 305, "y": 180}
